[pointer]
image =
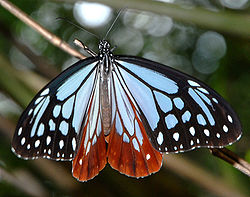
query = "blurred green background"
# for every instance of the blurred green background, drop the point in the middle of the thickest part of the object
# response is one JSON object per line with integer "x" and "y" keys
{"x": 205, "y": 38}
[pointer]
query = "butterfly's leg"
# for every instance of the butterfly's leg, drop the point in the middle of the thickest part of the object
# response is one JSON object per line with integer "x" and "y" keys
{"x": 80, "y": 44}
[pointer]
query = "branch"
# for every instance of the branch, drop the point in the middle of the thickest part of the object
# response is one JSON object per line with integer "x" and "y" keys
{"x": 224, "y": 21}
{"x": 45, "y": 33}
{"x": 233, "y": 159}
{"x": 42, "y": 65}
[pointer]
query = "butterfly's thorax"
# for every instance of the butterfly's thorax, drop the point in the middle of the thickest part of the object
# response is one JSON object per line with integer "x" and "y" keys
{"x": 105, "y": 84}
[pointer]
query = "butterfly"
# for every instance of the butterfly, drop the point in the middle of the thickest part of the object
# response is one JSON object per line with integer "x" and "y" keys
{"x": 124, "y": 110}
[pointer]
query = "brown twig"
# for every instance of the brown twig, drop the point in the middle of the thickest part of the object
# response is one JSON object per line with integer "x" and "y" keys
{"x": 48, "y": 35}
{"x": 43, "y": 66}
{"x": 233, "y": 159}
{"x": 224, "y": 21}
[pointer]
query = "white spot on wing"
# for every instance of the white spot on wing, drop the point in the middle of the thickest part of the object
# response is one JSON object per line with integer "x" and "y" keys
{"x": 229, "y": 118}
{"x": 176, "y": 136}
{"x": 23, "y": 141}
{"x": 148, "y": 156}
{"x": 61, "y": 144}
{"x": 74, "y": 144}
{"x": 30, "y": 111}
{"x": 206, "y": 131}
{"x": 192, "y": 131}
{"x": 225, "y": 128}
{"x": 217, "y": 135}
{"x": 37, "y": 143}
{"x": 160, "y": 138}
{"x": 48, "y": 140}
{"x": 215, "y": 100}
{"x": 20, "y": 131}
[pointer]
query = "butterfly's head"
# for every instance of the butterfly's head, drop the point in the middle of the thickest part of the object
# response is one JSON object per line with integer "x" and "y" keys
{"x": 104, "y": 47}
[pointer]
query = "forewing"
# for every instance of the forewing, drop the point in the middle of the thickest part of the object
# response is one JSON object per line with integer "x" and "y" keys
{"x": 178, "y": 112}
{"x": 50, "y": 125}
{"x": 129, "y": 149}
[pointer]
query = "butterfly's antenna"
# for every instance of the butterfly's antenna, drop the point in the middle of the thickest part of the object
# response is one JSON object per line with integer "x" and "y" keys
{"x": 119, "y": 13}
{"x": 78, "y": 26}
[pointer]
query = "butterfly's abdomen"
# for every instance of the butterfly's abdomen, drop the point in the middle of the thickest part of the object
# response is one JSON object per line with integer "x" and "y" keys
{"x": 105, "y": 96}
{"x": 105, "y": 104}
